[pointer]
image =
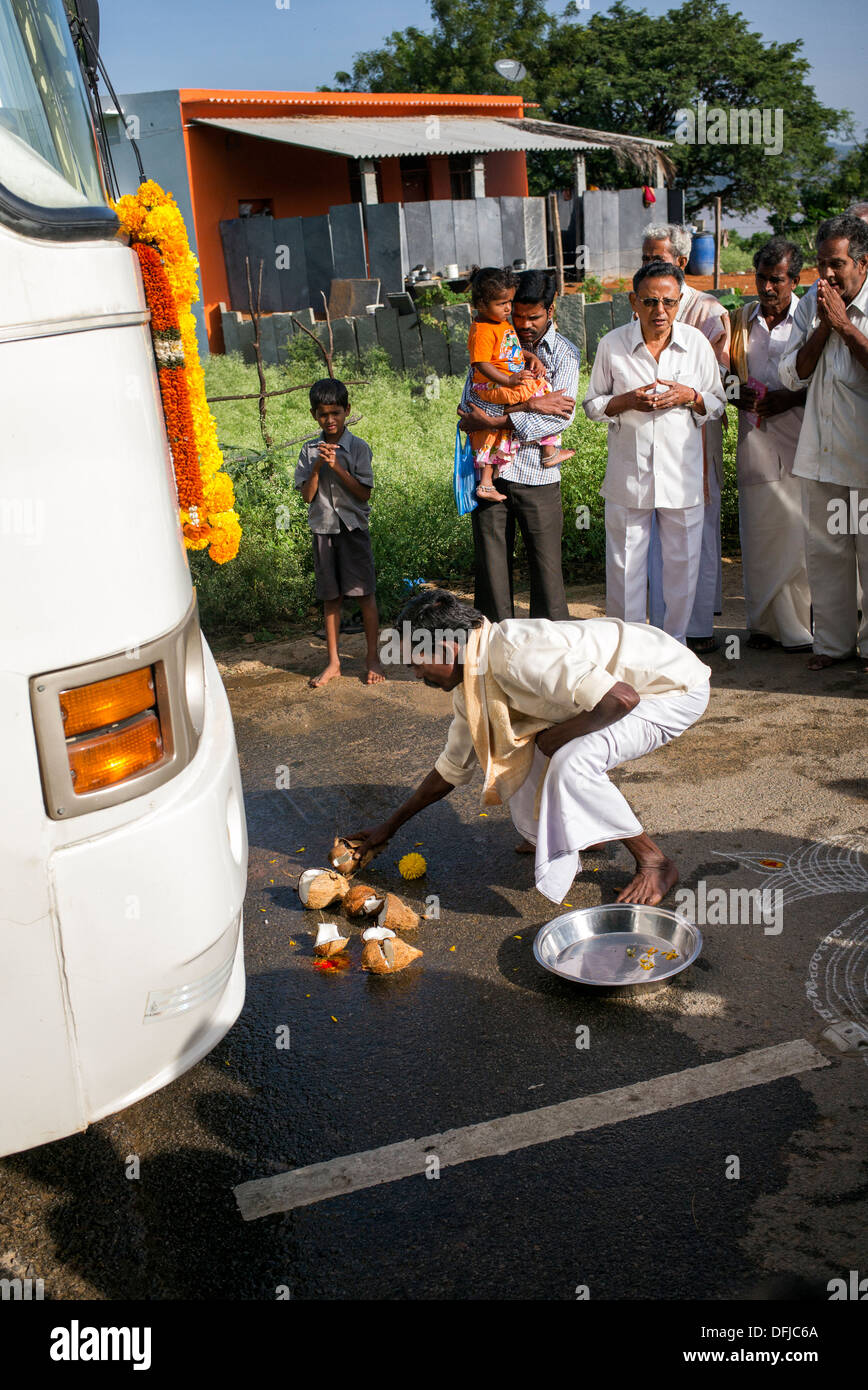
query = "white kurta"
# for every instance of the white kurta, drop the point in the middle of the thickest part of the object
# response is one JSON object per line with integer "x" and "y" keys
{"x": 771, "y": 521}
{"x": 552, "y": 671}
{"x": 578, "y": 804}
{"x": 655, "y": 466}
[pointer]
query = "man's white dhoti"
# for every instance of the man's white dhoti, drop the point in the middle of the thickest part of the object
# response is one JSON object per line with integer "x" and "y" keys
{"x": 578, "y": 805}
{"x": 777, "y": 595}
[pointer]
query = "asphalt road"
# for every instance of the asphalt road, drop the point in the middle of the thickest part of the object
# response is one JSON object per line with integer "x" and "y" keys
{"x": 476, "y": 1030}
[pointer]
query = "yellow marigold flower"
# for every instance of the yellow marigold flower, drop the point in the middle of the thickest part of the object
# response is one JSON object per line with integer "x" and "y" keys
{"x": 219, "y": 494}
{"x": 226, "y": 540}
{"x": 412, "y": 866}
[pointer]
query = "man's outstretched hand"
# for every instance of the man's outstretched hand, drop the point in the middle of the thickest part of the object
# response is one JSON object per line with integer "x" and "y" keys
{"x": 372, "y": 839}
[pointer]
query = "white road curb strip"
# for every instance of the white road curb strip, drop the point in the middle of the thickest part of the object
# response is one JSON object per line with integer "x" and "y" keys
{"x": 303, "y": 1186}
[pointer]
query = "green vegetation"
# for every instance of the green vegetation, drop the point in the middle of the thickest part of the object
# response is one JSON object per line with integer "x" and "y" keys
{"x": 734, "y": 260}
{"x": 415, "y": 528}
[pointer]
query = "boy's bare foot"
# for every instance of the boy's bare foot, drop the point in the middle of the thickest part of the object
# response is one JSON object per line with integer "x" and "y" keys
{"x": 374, "y": 674}
{"x": 332, "y": 670}
{"x": 489, "y": 494}
{"x": 651, "y": 882}
{"x": 559, "y": 456}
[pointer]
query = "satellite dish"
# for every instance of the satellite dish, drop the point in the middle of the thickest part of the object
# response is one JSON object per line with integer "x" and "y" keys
{"x": 511, "y": 69}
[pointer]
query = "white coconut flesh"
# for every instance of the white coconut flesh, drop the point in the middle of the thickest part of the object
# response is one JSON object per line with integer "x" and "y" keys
{"x": 327, "y": 931}
{"x": 372, "y": 905}
{"x": 377, "y": 934}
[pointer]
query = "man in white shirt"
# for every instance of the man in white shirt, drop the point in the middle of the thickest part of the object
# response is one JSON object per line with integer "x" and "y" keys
{"x": 654, "y": 382}
{"x": 547, "y": 709}
{"x": 828, "y": 353}
{"x": 776, "y": 591}
{"x": 669, "y": 241}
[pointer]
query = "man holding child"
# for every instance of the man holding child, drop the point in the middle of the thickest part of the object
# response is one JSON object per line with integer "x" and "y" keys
{"x": 530, "y": 486}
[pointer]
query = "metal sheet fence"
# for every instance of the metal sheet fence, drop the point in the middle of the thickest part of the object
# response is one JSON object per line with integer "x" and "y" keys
{"x": 414, "y": 345}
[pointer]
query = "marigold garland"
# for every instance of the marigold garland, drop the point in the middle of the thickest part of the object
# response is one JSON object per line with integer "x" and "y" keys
{"x": 156, "y": 228}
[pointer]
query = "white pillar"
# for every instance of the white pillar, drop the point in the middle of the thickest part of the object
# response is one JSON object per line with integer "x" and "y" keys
{"x": 580, "y": 181}
{"x": 661, "y": 177}
{"x": 478, "y": 176}
{"x": 368, "y": 170}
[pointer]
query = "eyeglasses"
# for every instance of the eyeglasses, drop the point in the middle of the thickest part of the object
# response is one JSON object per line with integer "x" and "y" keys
{"x": 652, "y": 303}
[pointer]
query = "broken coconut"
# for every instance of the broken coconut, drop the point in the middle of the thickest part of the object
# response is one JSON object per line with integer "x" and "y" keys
{"x": 329, "y": 941}
{"x": 363, "y": 901}
{"x": 384, "y": 953}
{"x": 346, "y": 856}
{"x": 321, "y": 887}
{"x": 396, "y": 915}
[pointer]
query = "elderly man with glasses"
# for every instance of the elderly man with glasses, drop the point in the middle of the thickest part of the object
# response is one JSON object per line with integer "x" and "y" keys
{"x": 654, "y": 382}
{"x": 671, "y": 242}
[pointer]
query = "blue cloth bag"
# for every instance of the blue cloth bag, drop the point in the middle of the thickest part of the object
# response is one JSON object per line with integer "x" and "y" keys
{"x": 464, "y": 476}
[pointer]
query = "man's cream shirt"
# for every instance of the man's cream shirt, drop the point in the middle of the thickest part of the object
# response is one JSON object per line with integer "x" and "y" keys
{"x": 553, "y": 671}
{"x": 832, "y": 444}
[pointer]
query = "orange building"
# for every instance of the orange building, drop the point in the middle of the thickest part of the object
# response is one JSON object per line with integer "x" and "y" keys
{"x": 228, "y": 154}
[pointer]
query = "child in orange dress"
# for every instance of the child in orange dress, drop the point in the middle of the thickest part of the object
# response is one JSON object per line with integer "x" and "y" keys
{"x": 503, "y": 374}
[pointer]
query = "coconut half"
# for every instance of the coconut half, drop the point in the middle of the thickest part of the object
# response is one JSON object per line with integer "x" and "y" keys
{"x": 321, "y": 887}
{"x": 386, "y": 954}
{"x": 329, "y": 941}
{"x": 397, "y": 915}
{"x": 363, "y": 901}
{"x": 346, "y": 856}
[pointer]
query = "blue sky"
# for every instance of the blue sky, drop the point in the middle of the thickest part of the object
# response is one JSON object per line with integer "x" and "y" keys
{"x": 256, "y": 44}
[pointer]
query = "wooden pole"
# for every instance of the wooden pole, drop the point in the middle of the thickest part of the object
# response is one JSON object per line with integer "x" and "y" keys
{"x": 255, "y": 315}
{"x": 555, "y": 222}
{"x": 717, "y": 219}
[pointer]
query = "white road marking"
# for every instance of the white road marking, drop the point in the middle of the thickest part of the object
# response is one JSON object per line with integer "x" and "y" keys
{"x": 304, "y": 1186}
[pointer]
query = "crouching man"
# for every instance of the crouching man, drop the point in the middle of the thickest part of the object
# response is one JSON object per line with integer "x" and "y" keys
{"x": 547, "y": 709}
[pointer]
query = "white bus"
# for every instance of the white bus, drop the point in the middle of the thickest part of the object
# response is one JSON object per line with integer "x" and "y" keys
{"x": 123, "y": 846}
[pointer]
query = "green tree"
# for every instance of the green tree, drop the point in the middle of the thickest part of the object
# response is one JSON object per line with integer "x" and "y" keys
{"x": 627, "y": 72}
{"x": 842, "y": 182}
{"x": 459, "y": 54}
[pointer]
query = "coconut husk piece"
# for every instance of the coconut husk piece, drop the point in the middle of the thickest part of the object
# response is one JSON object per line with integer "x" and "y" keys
{"x": 362, "y": 901}
{"x": 329, "y": 941}
{"x": 319, "y": 888}
{"x": 388, "y": 956}
{"x": 345, "y": 856}
{"x": 397, "y": 916}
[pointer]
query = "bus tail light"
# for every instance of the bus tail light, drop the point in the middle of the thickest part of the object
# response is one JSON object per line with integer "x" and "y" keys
{"x": 116, "y": 728}
{"x": 101, "y": 759}
{"x": 94, "y": 706}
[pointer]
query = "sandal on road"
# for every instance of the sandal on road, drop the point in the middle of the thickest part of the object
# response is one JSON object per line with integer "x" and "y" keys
{"x": 702, "y": 645}
{"x": 761, "y": 642}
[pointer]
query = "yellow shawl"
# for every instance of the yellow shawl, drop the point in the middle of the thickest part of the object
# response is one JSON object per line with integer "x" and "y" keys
{"x": 503, "y": 737}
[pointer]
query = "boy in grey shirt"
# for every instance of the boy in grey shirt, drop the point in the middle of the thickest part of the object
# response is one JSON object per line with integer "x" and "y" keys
{"x": 335, "y": 478}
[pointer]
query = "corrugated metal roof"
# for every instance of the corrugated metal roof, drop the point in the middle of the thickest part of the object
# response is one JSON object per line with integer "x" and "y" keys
{"x": 379, "y": 137}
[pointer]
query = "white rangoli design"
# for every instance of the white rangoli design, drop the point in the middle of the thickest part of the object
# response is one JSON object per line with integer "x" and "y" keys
{"x": 837, "y": 983}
